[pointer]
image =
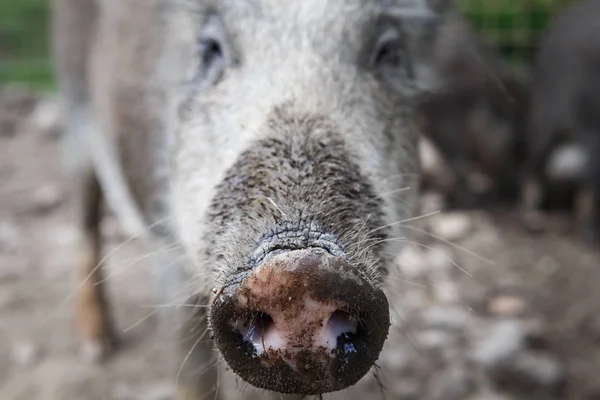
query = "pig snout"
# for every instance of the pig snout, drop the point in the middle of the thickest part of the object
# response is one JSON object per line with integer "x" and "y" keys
{"x": 301, "y": 321}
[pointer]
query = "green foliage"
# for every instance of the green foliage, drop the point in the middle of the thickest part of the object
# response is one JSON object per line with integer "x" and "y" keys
{"x": 513, "y": 25}
{"x": 24, "y": 43}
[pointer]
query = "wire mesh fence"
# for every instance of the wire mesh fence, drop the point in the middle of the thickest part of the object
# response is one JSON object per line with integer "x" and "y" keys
{"x": 24, "y": 42}
{"x": 513, "y": 26}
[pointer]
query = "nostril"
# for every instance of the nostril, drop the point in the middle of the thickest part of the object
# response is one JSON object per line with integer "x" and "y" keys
{"x": 339, "y": 331}
{"x": 340, "y": 322}
{"x": 260, "y": 331}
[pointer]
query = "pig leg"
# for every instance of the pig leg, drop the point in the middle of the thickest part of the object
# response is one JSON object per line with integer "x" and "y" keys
{"x": 531, "y": 202}
{"x": 73, "y": 25}
{"x": 92, "y": 314}
{"x": 92, "y": 310}
{"x": 534, "y": 184}
{"x": 587, "y": 206}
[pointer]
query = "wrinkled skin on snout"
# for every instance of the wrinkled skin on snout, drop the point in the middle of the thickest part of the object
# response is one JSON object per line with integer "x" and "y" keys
{"x": 295, "y": 164}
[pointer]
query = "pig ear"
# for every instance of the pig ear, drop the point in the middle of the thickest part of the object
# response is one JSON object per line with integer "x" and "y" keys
{"x": 425, "y": 33}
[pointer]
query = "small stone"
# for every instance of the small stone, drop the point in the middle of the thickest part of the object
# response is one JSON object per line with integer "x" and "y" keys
{"x": 452, "y": 383}
{"x": 488, "y": 395}
{"x": 502, "y": 341}
{"x": 405, "y": 388}
{"x": 432, "y": 202}
{"x": 430, "y": 157}
{"x": 397, "y": 359}
{"x": 567, "y": 163}
{"x": 507, "y": 306}
{"x": 93, "y": 352}
{"x": 123, "y": 392}
{"x": 15, "y": 104}
{"x": 432, "y": 339}
{"x": 435, "y": 171}
{"x": 9, "y": 235}
{"x": 446, "y": 318}
{"x": 25, "y": 354}
{"x": 410, "y": 301}
{"x": 159, "y": 391}
{"x": 451, "y": 226}
{"x": 48, "y": 197}
{"x": 45, "y": 117}
{"x": 541, "y": 369}
{"x": 446, "y": 292}
{"x": 412, "y": 262}
{"x": 63, "y": 235}
{"x": 440, "y": 259}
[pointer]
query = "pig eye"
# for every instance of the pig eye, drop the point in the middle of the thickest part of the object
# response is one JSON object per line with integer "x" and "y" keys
{"x": 210, "y": 53}
{"x": 389, "y": 50}
{"x": 214, "y": 54}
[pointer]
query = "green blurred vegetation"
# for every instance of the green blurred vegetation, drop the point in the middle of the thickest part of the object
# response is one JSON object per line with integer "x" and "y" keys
{"x": 513, "y": 25}
{"x": 24, "y": 43}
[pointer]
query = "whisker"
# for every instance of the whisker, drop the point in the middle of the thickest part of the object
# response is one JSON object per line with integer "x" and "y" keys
{"x": 380, "y": 385}
{"x": 448, "y": 258}
{"x": 400, "y": 176}
{"x": 358, "y": 232}
{"x": 410, "y": 341}
{"x": 395, "y": 310}
{"x": 188, "y": 356}
{"x": 450, "y": 243}
{"x": 88, "y": 277}
{"x": 141, "y": 321}
{"x": 136, "y": 260}
{"x": 95, "y": 269}
{"x": 404, "y": 189}
{"x": 364, "y": 241}
{"x": 404, "y": 240}
{"x": 276, "y": 206}
{"x": 380, "y": 241}
{"x": 217, "y": 385}
{"x": 176, "y": 305}
{"x": 172, "y": 263}
{"x": 396, "y": 279}
{"x": 218, "y": 380}
{"x": 404, "y": 221}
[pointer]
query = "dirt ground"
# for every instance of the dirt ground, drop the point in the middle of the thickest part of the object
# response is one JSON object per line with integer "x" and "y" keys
{"x": 515, "y": 316}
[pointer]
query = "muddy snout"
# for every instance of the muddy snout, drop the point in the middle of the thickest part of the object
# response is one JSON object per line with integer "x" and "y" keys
{"x": 301, "y": 322}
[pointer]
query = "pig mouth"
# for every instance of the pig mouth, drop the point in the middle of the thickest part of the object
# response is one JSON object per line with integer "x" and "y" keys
{"x": 302, "y": 320}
